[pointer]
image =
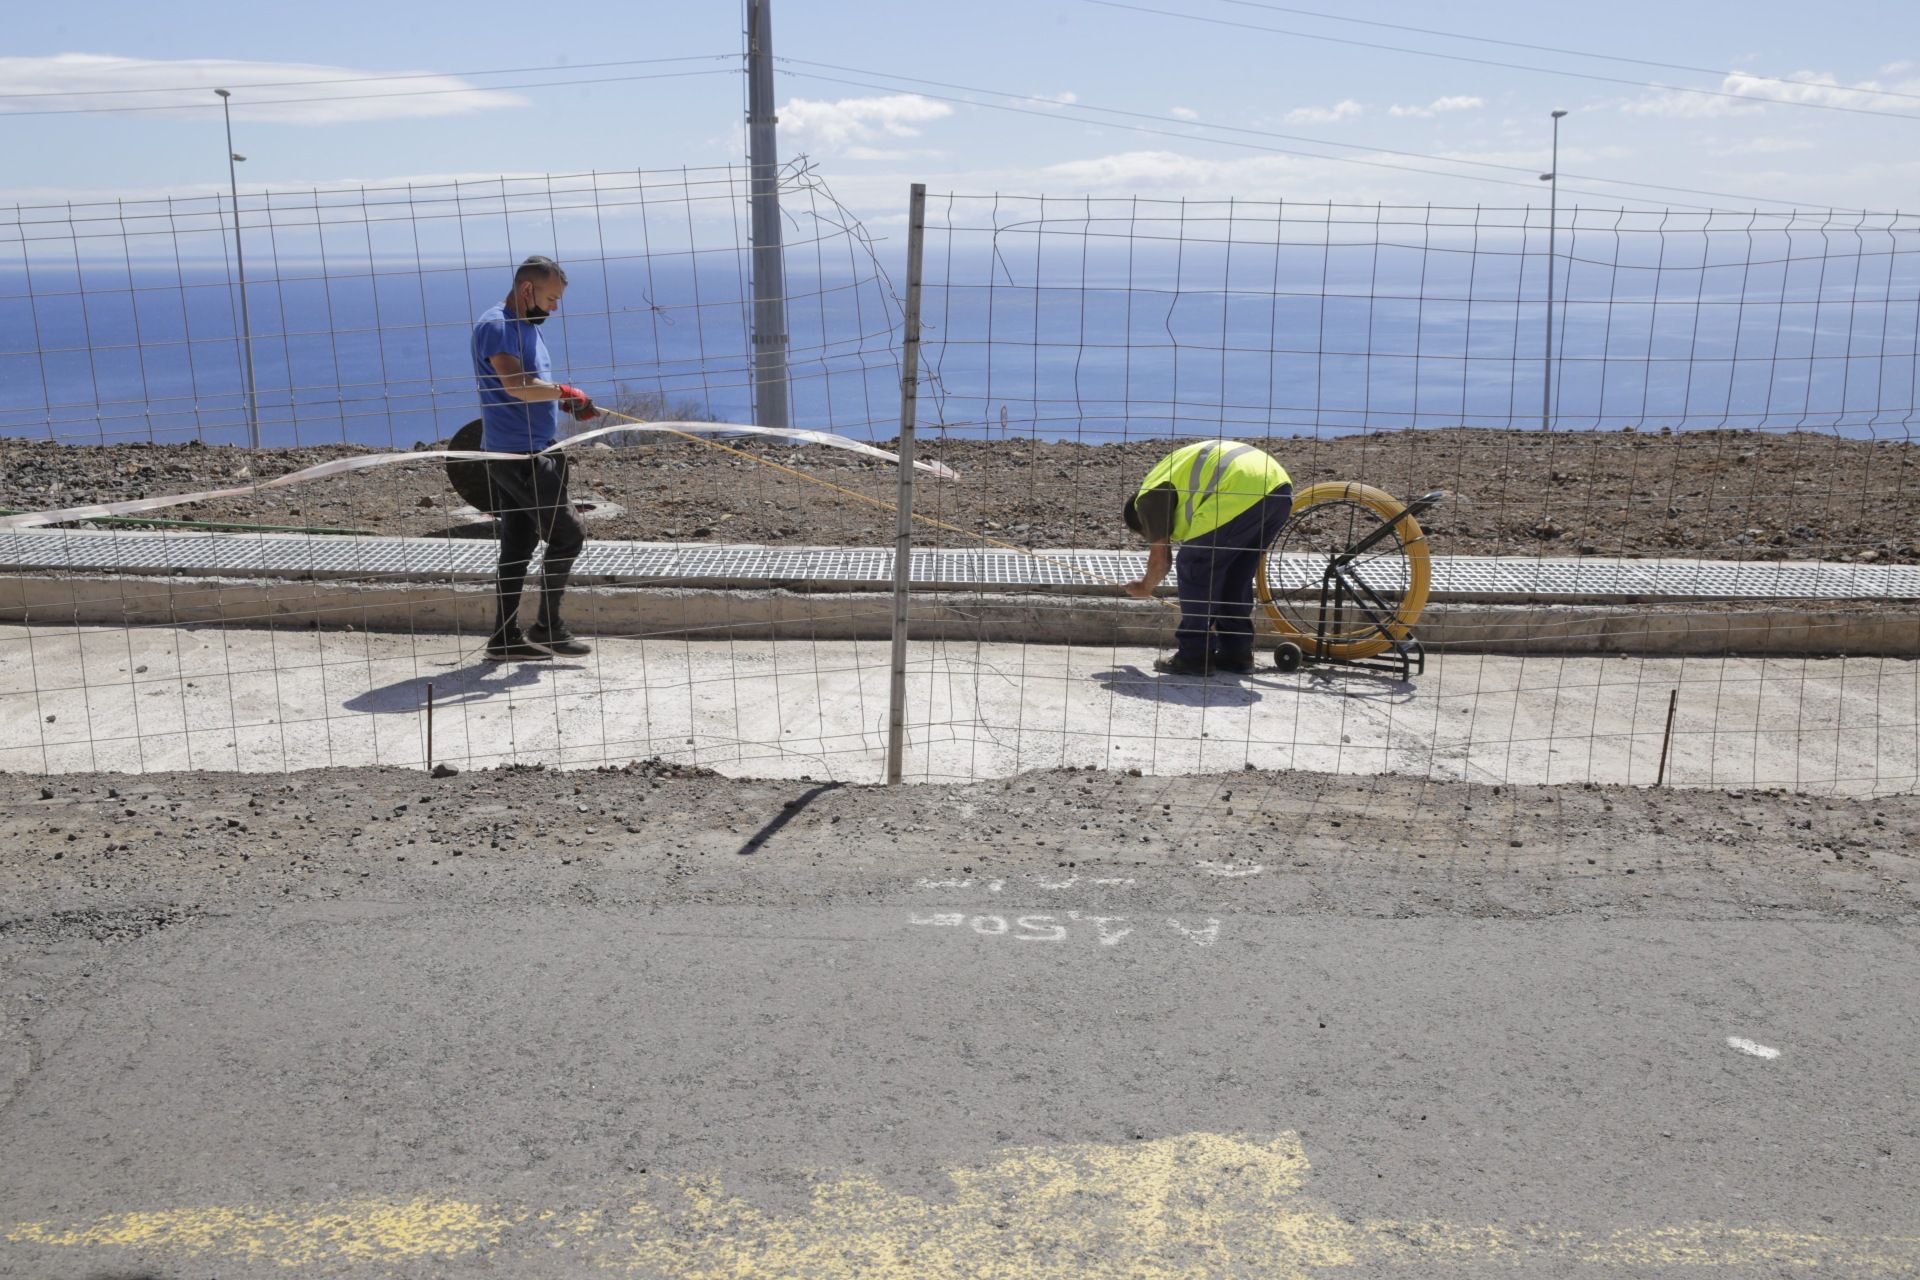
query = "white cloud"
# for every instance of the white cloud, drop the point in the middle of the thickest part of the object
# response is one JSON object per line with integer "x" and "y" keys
{"x": 70, "y": 81}
{"x": 1141, "y": 168}
{"x": 520, "y": 189}
{"x": 888, "y": 153}
{"x": 828, "y": 127}
{"x": 1063, "y": 99}
{"x": 1798, "y": 87}
{"x": 1455, "y": 102}
{"x": 1688, "y": 106}
{"x": 1826, "y": 94}
{"x": 1342, "y": 110}
{"x": 1147, "y": 172}
{"x": 1183, "y": 113}
{"x": 1763, "y": 146}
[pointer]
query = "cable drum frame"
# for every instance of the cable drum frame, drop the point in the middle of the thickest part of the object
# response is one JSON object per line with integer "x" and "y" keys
{"x": 1352, "y": 587}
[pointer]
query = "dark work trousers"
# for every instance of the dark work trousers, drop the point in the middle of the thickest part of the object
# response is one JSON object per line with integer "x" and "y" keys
{"x": 1215, "y": 575}
{"x": 530, "y": 498}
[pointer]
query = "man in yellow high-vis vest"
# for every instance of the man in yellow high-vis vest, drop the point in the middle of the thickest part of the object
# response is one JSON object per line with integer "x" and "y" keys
{"x": 1224, "y": 502}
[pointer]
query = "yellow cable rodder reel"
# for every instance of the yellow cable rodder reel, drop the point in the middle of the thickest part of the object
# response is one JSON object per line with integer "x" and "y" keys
{"x": 1347, "y": 578}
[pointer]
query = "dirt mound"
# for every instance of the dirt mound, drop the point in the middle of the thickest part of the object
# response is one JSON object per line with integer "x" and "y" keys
{"x": 1731, "y": 495}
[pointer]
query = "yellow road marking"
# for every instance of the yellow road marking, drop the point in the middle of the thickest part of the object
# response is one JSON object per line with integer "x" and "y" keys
{"x": 1199, "y": 1205}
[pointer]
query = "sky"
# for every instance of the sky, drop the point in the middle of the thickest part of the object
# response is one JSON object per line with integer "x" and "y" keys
{"x": 1241, "y": 98}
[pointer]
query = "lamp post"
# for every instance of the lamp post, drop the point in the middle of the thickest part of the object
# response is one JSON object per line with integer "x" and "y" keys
{"x": 1552, "y": 179}
{"x": 240, "y": 260}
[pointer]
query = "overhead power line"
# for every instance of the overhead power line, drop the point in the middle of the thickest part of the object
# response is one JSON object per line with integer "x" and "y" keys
{"x": 1050, "y": 107}
{"x": 403, "y": 75}
{"x": 1571, "y": 53}
{"x": 1511, "y": 66}
{"x": 1056, "y": 114}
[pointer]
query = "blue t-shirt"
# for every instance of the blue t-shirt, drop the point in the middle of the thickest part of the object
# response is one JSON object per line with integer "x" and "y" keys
{"x": 510, "y": 425}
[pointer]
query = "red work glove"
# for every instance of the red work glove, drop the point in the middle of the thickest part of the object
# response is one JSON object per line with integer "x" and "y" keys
{"x": 577, "y": 402}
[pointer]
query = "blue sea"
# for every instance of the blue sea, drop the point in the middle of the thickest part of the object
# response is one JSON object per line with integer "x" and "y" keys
{"x": 1068, "y": 339}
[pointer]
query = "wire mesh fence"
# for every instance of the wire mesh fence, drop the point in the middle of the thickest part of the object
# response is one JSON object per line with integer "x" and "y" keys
{"x": 125, "y": 321}
{"x": 1720, "y": 391}
{"x": 255, "y": 638}
{"x": 1676, "y": 545}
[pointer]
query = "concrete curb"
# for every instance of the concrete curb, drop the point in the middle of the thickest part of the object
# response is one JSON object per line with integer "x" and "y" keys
{"x": 1757, "y": 628}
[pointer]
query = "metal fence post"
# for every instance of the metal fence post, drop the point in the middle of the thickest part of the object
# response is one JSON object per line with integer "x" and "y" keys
{"x": 240, "y": 258}
{"x": 1553, "y": 223}
{"x": 903, "y": 528}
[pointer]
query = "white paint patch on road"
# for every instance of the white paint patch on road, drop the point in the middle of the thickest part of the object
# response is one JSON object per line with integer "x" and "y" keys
{"x": 1059, "y": 925}
{"x": 996, "y": 886}
{"x": 1044, "y": 929}
{"x": 1108, "y": 937}
{"x": 1745, "y": 1045}
{"x": 1107, "y": 931}
{"x": 1229, "y": 869}
{"x": 1205, "y": 936}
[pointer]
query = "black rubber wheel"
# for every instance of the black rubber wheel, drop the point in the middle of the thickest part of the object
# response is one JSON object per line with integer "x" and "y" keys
{"x": 1287, "y": 656}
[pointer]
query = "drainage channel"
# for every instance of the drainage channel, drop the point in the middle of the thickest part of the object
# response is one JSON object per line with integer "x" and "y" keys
{"x": 1455, "y": 578}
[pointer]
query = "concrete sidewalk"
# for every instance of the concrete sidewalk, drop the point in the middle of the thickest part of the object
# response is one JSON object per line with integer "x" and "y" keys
{"x": 164, "y": 698}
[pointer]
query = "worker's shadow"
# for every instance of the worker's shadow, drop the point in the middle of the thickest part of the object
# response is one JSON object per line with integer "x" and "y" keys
{"x": 1130, "y": 681}
{"x": 475, "y": 682}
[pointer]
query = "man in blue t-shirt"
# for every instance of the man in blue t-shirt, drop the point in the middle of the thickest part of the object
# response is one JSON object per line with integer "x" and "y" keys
{"x": 520, "y": 408}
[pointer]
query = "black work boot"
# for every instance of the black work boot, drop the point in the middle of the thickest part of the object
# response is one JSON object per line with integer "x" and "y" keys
{"x": 558, "y": 641}
{"x": 1236, "y": 663}
{"x": 1182, "y": 666}
{"x": 508, "y": 645}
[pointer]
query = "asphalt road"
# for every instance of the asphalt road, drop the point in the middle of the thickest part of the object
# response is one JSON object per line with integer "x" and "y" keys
{"x": 856, "y": 1052}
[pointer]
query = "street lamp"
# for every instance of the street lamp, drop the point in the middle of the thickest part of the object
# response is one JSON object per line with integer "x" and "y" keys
{"x": 240, "y": 259}
{"x": 1552, "y": 179}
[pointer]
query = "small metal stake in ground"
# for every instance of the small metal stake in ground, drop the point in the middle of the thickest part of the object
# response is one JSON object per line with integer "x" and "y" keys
{"x": 903, "y": 529}
{"x": 429, "y": 726}
{"x": 1673, "y": 700}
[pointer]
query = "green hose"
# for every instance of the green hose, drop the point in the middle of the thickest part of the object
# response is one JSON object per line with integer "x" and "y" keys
{"x": 216, "y": 525}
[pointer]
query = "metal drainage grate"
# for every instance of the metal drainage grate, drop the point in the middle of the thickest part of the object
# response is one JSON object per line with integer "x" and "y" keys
{"x": 1454, "y": 578}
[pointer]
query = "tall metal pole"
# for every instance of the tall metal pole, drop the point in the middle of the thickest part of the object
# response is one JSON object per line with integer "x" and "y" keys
{"x": 240, "y": 260}
{"x": 1552, "y": 178}
{"x": 903, "y": 527}
{"x": 769, "y": 276}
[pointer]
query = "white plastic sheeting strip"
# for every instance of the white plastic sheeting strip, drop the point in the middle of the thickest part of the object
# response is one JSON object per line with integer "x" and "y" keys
{"x": 341, "y": 466}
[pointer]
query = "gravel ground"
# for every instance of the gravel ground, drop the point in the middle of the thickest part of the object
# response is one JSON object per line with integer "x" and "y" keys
{"x": 186, "y": 843}
{"x": 1717, "y": 494}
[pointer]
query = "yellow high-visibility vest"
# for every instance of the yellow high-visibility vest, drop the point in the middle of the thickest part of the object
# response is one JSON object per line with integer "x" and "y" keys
{"x": 1213, "y": 482}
